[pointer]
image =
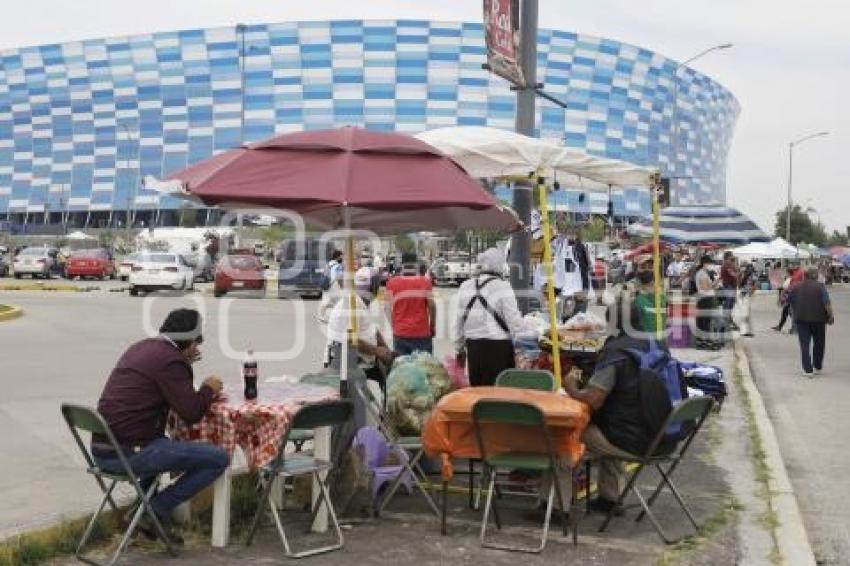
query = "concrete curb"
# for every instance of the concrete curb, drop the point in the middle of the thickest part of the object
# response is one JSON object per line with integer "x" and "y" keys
{"x": 791, "y": 537}
{"x": 15, "y": 312}
{"x": 61, "y": 288}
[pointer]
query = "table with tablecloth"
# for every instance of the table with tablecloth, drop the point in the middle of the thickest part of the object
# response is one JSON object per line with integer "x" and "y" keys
{"x": 256, "y": 426}
{"x": 449, "y": 431}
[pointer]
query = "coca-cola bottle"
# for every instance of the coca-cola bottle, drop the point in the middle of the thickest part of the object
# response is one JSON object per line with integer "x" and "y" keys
{"x": 249, "y": 375}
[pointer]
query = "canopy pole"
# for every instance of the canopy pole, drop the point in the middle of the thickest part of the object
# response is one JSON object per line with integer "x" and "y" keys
{"x": 550, "y": 281}
{"x": 656, "y": 257}
{"x": 350, "y": 344}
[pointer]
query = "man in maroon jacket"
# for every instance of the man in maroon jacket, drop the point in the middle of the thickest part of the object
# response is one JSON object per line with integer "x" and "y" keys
{"x": 151, "y": 378}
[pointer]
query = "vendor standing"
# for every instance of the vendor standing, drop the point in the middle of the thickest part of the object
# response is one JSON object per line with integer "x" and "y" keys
{"x": 487, "y": 319}
{"x": 644, "y": 300}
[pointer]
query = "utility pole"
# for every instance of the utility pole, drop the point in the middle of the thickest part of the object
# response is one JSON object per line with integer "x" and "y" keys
{"x": 791, "y": 178}
{"x": 525, "y": 110}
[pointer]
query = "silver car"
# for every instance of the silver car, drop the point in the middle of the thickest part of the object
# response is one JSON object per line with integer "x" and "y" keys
{"x": 37, "y": 262}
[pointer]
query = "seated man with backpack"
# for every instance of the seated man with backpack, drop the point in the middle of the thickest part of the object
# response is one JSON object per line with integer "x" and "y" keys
{"x": 631, "y": 393}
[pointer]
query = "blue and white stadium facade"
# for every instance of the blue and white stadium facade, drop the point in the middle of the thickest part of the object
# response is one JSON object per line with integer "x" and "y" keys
{"x": 82, "y": 123}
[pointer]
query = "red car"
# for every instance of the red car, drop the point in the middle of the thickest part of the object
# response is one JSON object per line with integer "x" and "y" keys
{"x": 90, "y": 263}
{"x": 239, "y": 272}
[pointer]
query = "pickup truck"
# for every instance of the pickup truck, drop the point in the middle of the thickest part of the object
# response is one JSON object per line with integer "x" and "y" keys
{"x": 453, "y": 269}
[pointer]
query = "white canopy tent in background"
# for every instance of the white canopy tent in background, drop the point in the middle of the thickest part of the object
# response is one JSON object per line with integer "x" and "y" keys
{"x": 181, "y": 240}
{"x": 776, "y": 249}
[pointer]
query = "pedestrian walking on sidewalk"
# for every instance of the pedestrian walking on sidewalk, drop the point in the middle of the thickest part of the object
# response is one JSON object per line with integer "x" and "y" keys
{"x": 783, "y": 303}
{"x": 812, "y": 312}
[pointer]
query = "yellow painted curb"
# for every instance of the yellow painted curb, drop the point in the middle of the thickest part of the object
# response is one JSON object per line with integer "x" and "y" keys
{"x": 39, "y": 287}
{"x": 12, "y": 313}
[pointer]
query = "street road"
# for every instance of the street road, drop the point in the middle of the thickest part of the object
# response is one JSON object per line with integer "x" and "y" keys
{"x": 811, "y": 416}
{"x": 64, "y": 348}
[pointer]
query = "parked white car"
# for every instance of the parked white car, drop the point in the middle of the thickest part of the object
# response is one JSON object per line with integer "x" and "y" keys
{"x": 37, "y": 262}
{"x": 156, "y": 271}
{"x": 125, "y": 266}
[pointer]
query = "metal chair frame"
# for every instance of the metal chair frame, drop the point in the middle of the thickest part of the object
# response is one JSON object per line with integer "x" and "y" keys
{"x": 79, "y": 418}
{"x": 482, "y": 412}
{"x": 411, "y": 466}
{"x": 315, "y": 415}
{"x": 695, "y": 409}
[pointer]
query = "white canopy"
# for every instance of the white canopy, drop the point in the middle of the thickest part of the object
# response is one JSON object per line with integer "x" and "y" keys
{"x": 492, "y": 152}
{"x": 777, "y": 249}
{"x": 79, "y": 236}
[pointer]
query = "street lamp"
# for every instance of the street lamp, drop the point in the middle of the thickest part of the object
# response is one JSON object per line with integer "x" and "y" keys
{"x": 672, "y": 170}
{"x": 790, "y": 177}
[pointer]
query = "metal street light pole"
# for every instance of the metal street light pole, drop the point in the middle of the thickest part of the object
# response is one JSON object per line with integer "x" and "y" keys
{"x": 240, "y": 29}
{"x": 791, "y": 178}
{"x": 525, "y": 115}
{"x": 671, "y": 169}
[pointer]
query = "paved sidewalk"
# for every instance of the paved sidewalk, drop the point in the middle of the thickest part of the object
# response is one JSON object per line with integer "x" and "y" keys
{"x": 810, "y": 417}
{"x": 408, "y": 534}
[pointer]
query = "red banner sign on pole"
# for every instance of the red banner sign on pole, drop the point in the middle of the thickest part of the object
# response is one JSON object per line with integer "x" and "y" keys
{"x": 502, "y": 37}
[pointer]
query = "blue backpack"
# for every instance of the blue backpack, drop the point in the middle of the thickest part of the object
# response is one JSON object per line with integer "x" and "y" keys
{"x": 656, "y": 363}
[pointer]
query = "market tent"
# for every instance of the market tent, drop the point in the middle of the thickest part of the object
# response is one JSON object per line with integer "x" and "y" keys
{"x": 493, "y": 152}
{"x": 691, "y": 224}
{"x": 351, "y": 179}
{"x": 79, "y": 236}
{"x": 386, "y": 183}
{"x": 644, "y": 249}
{"x": 838, "y": 252}
{"x": 496, "y": 153}
{"x": 781, "y": 249}
{"x": 753, "y": 250}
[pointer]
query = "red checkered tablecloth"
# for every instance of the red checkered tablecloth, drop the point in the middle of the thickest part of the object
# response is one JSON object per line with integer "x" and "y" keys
{"x": 255, "y": 426}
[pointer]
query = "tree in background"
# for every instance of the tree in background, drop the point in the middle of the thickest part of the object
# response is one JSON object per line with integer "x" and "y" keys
{"x": 838, "y": 238}
{"x": 594, "y": 230}
{"x": 802, "y": 227}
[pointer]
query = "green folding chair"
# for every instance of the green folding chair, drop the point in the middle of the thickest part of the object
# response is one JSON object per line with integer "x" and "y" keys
{"x": 410, "y": 444}
{"x": 536, "y": 379}
{"x": 539, "y": 379}
{"x": 85, "y": 419}
{"x": 691, "y": 415}
{"x": 316, "y": 415}
{"x": 519, "y": 414}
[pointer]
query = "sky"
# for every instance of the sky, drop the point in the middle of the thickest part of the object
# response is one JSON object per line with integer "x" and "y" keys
{"x": 789, "y": 67}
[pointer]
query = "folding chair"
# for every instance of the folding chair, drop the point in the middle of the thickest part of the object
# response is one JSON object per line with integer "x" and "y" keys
{"x": 526, "y": 415}
{"x": 539, "y": 379}
{"x": 694, "y": 410}
{"x": 409, "y": 444}
{"x": 316, "y": 415}
{"x": 87, "y": 419}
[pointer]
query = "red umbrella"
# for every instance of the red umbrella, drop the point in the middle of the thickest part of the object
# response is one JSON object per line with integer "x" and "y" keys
{"x": 645, "y": 249}
{"x": 387, "y": 182}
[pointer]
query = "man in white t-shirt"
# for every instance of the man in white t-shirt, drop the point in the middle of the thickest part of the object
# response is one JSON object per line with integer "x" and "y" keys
{"x": 371, "y": 346}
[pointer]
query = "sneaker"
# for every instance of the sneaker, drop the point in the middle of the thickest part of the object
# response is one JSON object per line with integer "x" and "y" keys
{"x": 818, "y": 371}
{"x": 604, "y": 506}
{"x": 808, "y": 374}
